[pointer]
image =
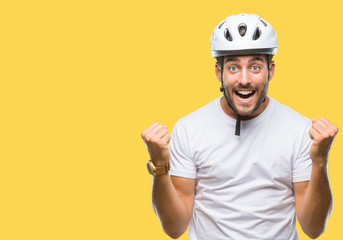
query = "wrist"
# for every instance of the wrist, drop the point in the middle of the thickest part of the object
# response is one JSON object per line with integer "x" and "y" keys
{"x": 158, "y": 170}
{"x": 319, "y": 162}
{"x": 319, "y": 168}
{"x": 159, "y": 163}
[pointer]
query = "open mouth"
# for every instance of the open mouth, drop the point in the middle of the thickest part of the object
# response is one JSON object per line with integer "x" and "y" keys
{"x": 245, "y": 95}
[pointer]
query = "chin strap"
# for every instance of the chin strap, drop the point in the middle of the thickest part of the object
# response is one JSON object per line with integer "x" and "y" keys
{"x": 238, "y": 126}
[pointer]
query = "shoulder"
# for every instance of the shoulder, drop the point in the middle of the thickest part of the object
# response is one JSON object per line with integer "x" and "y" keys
{"x": 289, "y": 116}
{"x": 291, "y": 127}
{"x": 201, "y": 115}
{"x": 197, "y": 122}
{"x": 288, "y": 122}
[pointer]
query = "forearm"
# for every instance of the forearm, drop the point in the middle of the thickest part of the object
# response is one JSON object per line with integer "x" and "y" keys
{"x": 317, "y": 204}
{"x": 170, "y": 209}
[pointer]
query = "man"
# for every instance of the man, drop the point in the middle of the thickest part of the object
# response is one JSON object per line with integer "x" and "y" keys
{"x": 244, "y": 166}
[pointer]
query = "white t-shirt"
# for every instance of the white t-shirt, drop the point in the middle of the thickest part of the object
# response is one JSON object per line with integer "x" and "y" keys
{"x": 243, "y": 183}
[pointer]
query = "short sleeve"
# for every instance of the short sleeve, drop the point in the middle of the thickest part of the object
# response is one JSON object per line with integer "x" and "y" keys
{"x": 181, "y": 163}
{"x": 303, "y": 164}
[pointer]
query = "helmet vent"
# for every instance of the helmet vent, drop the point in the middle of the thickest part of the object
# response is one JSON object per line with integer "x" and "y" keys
{"x": 220, "y": 25}
{"x": 242, "y": 29}
{"x": 264, "y": 23}
{"x": 227, "y": 35}
{"x": 257, "y": 34}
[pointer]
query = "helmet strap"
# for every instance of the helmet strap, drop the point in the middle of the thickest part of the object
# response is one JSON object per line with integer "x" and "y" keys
{"x": 222, "y": 89}
{"x": 269, "y": 59}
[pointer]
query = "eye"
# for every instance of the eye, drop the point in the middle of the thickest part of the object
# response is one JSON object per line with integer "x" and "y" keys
{"x": 233, "y": 69}
{"x": 255, "y": 68}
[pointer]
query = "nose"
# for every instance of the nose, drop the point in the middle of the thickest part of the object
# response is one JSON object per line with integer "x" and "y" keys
{"x": 244, "y": 78}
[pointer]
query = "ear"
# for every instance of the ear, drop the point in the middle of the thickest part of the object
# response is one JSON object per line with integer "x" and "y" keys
{"x": 218, "y": 72}
{"x": 271, "y": 70}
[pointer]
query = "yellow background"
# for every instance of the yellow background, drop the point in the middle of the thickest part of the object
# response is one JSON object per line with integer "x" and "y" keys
{"x": 80, "y": 80}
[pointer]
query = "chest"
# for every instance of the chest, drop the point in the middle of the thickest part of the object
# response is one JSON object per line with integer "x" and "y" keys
{"x": 232, "y": 160}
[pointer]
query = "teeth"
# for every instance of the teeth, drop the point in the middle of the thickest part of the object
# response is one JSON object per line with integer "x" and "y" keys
{"x": 244, "y": 92}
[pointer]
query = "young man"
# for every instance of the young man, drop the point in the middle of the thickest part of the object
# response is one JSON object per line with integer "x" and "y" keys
{"x": 243, "y": 166}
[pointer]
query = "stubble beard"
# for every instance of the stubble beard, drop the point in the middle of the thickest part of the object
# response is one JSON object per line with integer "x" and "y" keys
{"x": 260, "y": 100}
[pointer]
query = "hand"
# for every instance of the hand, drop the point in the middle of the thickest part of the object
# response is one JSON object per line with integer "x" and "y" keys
{"x": 156, "y": 138}
{"x": 322, "y": 133}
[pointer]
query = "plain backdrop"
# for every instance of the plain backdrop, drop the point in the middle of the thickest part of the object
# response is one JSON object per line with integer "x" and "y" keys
{"x": 80, "y": 80}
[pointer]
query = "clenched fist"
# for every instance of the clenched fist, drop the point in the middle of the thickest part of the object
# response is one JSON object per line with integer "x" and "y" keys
{"x": 156, "y": 138}
{"x": 322, "y": 133}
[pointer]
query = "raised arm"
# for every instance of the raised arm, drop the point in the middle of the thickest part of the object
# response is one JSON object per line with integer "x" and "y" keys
{"x": 172, "y": 197}
{"x": 313, "y": 199}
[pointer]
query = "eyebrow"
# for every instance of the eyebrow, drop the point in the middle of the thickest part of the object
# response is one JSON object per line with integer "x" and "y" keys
{"x": 251, "y": 60}
{"x": 231, "y": 60}
{"x": 256, "y": 59}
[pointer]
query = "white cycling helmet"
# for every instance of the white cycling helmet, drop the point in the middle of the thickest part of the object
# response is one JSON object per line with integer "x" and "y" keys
{"x": 243, "y": 34}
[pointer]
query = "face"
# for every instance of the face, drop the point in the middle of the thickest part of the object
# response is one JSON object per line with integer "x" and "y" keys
{"x": 245, "y": 81}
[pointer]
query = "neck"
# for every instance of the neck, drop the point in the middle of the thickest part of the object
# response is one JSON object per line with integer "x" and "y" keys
{"x": 228, "y": 111}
